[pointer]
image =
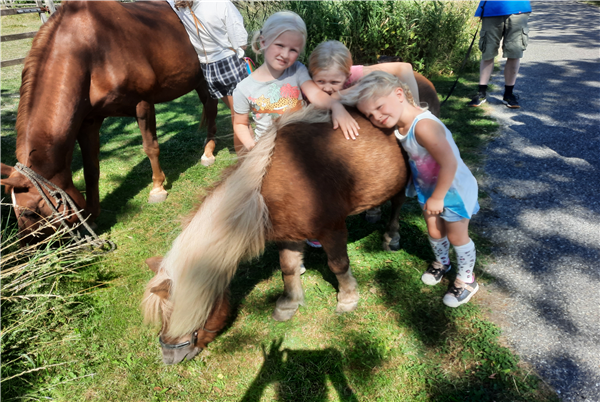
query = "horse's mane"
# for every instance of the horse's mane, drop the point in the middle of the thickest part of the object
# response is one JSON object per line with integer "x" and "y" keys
{"x": 33, "y": 63}
{"x": 231, "y": 225}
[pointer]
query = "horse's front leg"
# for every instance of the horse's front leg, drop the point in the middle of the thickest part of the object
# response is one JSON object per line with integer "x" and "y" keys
{"x": 391, "y": 237}
{"x": 290, "y": 259}
{"x": 146, "y": 118}
{"x": 209, "y": 119}
{"x": 89, "y": 143}
{"x": 334, "y": 244}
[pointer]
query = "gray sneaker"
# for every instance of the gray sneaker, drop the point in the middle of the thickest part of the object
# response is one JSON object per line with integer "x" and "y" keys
{"x": 435, "y": 273}
{"x": 460, "y": 292}
{"x": 511, "y": 101}
{"x": 477, "y": 100}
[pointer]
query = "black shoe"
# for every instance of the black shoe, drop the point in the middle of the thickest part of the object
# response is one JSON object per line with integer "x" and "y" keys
{"x": 434, "y": 273}
{"x": 478, "y": 100}
{"x": 511, "y": 101}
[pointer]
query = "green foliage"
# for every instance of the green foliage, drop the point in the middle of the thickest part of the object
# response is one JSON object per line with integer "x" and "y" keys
{"x": 432, "y": 35}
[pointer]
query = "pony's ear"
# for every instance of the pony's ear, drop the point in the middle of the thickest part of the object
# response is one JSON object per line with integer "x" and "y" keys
{"x": 162, "y": 290}
{"x": 6, "y": 170}
{"x": 16, "y": 181}
{"x": 154, "y": 263}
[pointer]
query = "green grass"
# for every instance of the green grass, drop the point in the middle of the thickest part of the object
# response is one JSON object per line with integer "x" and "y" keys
{"x": 401, "y": 344}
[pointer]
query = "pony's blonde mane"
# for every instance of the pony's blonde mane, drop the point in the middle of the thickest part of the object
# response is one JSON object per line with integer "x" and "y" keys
{"x": 33, "y": 63}
{"x": 230, "y": 226}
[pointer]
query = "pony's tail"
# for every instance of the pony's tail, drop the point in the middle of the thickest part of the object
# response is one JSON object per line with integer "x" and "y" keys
{"x": 231, "y": 225}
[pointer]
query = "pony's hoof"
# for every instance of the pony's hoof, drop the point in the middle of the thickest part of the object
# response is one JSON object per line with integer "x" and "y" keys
{"x": 207, "y": 161}
{"x": 373, "y": 215}
{"x": 392, "y": 247}
{"x": 283, "y": 314}
{"x": 156, "y": 197}
{"x": 392, "y": 244}
{"x": 346, "y": 307}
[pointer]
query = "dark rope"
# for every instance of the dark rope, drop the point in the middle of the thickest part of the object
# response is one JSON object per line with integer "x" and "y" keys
{"x": 466, "y": 57}
{"x": 62, "y": 197}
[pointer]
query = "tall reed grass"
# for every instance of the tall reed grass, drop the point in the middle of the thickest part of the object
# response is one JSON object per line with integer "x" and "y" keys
{"x": 432, "y": 35}
{"x": 42, "y": 289}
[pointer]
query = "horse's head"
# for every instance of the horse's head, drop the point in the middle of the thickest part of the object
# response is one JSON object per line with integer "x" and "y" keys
{"x": 32, "y": 211}
{"x": 156, "y": 302}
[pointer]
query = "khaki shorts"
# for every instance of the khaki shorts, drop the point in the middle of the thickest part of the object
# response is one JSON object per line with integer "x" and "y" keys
{"x": 513, "y": 28}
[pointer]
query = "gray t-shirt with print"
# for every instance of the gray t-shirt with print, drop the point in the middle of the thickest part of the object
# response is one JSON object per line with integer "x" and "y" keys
{"x": 268, "y": 100}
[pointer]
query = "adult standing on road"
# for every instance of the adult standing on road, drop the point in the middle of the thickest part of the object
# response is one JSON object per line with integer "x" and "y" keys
{"x": 506, "y": 21}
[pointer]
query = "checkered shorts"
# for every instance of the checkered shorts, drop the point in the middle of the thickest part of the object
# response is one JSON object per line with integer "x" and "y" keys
{"x": 223, "y": 75}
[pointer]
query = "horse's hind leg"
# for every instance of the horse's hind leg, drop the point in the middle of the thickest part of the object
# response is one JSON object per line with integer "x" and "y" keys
{"x": 209, "y": 118}
{"x": 391, "y": 237}
{"x": 146, "y": 118}
{"x": 290, "y": 259}
{"x": 335, "y": 245}
{"x": 89, "y": 143}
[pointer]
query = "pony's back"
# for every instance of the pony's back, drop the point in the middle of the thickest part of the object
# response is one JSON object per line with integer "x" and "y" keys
{"x": 317, "y": 178}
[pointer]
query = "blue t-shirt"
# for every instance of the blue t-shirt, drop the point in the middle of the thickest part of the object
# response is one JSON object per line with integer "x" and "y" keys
{"x": 496, "y": 8}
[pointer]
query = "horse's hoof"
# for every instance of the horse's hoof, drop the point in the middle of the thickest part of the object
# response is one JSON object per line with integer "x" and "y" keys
{"x": 156, "y": 197}
{"x": 283, "y": 314}
{"x": 346, "y": 307}
{"x": 207, "y": 161}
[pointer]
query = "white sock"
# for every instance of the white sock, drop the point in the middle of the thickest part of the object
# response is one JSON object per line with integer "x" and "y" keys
{"x": 465, "y": 256}
{"x": 441, "y": 248}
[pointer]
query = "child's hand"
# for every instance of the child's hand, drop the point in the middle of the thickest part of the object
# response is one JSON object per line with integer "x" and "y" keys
{"x": 434, "y": 206}
{"x": 341, "y": 118}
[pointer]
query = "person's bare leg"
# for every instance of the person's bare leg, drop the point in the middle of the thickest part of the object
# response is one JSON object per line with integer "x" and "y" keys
{"x": 511, "y": 69}
{"x": 486, "y": 67}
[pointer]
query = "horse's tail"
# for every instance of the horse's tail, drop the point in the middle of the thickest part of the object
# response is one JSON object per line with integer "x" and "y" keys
{"x": 230, "y": 226}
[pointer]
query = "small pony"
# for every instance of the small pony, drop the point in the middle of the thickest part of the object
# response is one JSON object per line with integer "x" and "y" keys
{"x": 300, "y": 181}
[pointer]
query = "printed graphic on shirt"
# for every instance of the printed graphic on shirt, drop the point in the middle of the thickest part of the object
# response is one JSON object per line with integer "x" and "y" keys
{"x": 425, "y": 172}
{"x": 277, "y": 101}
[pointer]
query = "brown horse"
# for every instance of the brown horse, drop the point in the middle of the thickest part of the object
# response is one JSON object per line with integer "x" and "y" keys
{"x": 300, "y": 181}
{"x": 91, "y": 60}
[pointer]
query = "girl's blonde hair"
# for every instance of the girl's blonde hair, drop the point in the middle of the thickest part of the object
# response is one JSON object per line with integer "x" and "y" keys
{"x": 330, "y": 54}
{"x": 376, "y": 85}
{"x": 275, "y": 25}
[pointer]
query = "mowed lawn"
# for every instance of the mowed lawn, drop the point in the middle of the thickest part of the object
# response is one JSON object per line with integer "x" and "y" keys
{"x": 401, "y": 344}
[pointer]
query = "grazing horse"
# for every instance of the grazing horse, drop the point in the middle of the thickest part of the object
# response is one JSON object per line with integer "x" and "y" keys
{"x": 300, "y": 181}
{"x": 91, "y": 60}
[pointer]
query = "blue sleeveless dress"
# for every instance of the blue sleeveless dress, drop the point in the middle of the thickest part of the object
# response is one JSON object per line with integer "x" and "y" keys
{"x": 461, "y": 198}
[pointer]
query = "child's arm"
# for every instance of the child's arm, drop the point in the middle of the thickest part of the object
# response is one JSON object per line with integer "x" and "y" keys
{"x": 241, "y": 130}
{"x": 340, "y": 116}
{"x": 430, "y": 135}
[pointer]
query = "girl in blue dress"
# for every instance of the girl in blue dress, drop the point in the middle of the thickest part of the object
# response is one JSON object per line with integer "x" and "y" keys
{"x": 446, "y": 189}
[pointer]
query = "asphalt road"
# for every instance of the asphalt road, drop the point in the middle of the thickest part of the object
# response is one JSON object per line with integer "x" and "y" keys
{"x": 543, "y": 176}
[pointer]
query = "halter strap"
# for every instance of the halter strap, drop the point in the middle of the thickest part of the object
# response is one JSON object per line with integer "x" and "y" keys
{"x": 61, "y": 197}
{"x": 183, "y": 344}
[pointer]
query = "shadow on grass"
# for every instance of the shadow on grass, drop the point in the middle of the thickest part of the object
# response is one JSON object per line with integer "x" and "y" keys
{"x": 300, "y": 375}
